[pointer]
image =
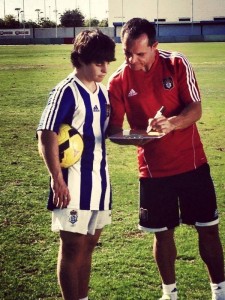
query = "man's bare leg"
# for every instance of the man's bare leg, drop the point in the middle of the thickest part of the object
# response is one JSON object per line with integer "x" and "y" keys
{"x": 164, "y": 251}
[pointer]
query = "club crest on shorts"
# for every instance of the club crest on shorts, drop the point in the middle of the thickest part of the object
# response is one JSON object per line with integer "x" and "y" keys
{"x": 73, "y": 217}
{"x": 168, "y": 83}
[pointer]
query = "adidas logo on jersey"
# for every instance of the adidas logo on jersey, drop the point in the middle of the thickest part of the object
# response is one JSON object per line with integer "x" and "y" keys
{"x": 132, "y": 93}
{"x": 96, "y": 109}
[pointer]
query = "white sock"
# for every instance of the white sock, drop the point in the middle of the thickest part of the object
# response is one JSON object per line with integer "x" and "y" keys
{"x": 86, "y": 298}
{"x": 169, "y": 288}
{"x": 217, "y": 286}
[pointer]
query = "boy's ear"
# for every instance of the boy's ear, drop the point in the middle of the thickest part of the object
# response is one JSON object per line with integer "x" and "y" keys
{"x": 80, "y": 61}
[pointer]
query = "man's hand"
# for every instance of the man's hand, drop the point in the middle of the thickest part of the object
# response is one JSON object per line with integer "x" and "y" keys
{"x": 162, "y": 125}
{"x": 188, "y": 116}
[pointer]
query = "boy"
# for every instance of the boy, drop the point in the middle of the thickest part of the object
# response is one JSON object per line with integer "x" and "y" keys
{"x": 83, "y": 190}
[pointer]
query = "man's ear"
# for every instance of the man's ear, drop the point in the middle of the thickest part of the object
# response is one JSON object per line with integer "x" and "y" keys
{"x": 155, "y": 45}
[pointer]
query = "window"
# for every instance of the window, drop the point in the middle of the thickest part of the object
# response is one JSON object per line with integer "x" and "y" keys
{"x": 219, "y": 19}
{"x": 184, "y": 19}
{"x": 159, "y": 20}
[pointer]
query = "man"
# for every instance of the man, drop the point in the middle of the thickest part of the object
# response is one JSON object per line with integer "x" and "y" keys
{"x": 80, "y": 196}
{"x": 175, "y": 182}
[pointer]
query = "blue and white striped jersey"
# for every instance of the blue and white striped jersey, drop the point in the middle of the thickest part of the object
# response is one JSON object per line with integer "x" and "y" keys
{"x": 72, "y": 103}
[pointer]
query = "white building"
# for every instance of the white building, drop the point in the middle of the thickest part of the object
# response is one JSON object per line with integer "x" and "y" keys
{"x": 166, "y": 10}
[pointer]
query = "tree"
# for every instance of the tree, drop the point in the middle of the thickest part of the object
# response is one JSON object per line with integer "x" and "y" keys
{"x": 11, "y": 22}
{"x": 2, "y": 23}
{"x": 72, "y": 18}
{"x": 31, "y": 24}
{"x": 91, "y": 22}
{"x": 46, "y": 23}
{"x": 103, "y": 23}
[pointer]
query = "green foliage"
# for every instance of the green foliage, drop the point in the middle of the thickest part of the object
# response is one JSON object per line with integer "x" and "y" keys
{"x": 96, "y": 23}
{"x": 103, "y": 23}
{"x": 123, "y": 267}
{"x": 91, "y": 22}
{"x": 10, "y": 22}
{"x": 46, "y": 23}
{"x": 2, "y": 23}
{"x": 72, "y": 18}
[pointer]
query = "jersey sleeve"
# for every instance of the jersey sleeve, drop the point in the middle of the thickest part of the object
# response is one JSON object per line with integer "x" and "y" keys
{"x": 187, "y": 83}
{"x": 116, "y": 102}
{"x": 59, "y": 109}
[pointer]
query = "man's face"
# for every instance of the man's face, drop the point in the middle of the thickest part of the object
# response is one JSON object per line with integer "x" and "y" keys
{"x": 139, "y": 55}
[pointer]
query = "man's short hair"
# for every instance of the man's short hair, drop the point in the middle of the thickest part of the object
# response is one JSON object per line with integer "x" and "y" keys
{"x": 92, "y": 46}
{"x": 138, "y": 26}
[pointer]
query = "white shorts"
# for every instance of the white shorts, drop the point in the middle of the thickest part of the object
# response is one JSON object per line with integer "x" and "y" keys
{"x": 80, "y": 221}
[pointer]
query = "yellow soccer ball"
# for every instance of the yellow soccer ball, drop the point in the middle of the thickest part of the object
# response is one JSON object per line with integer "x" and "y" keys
{"x": 70, "y": 145}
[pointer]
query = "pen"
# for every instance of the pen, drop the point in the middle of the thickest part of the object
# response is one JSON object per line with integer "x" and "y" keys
{"x": 157, "y": 115}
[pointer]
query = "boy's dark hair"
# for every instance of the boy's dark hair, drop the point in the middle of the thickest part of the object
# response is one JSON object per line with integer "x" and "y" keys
{"x": 92, "y": 46}
{"x": 137, "y": 26}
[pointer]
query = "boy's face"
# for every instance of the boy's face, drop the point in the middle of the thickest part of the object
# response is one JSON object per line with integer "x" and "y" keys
{"x": 94, "y": 71}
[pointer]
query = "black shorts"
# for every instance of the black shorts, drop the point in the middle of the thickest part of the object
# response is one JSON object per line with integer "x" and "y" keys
{"x": 185, "y": 198}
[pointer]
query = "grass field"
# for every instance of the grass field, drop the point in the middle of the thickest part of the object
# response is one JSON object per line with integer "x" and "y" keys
{"x": 123, "y": 266}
